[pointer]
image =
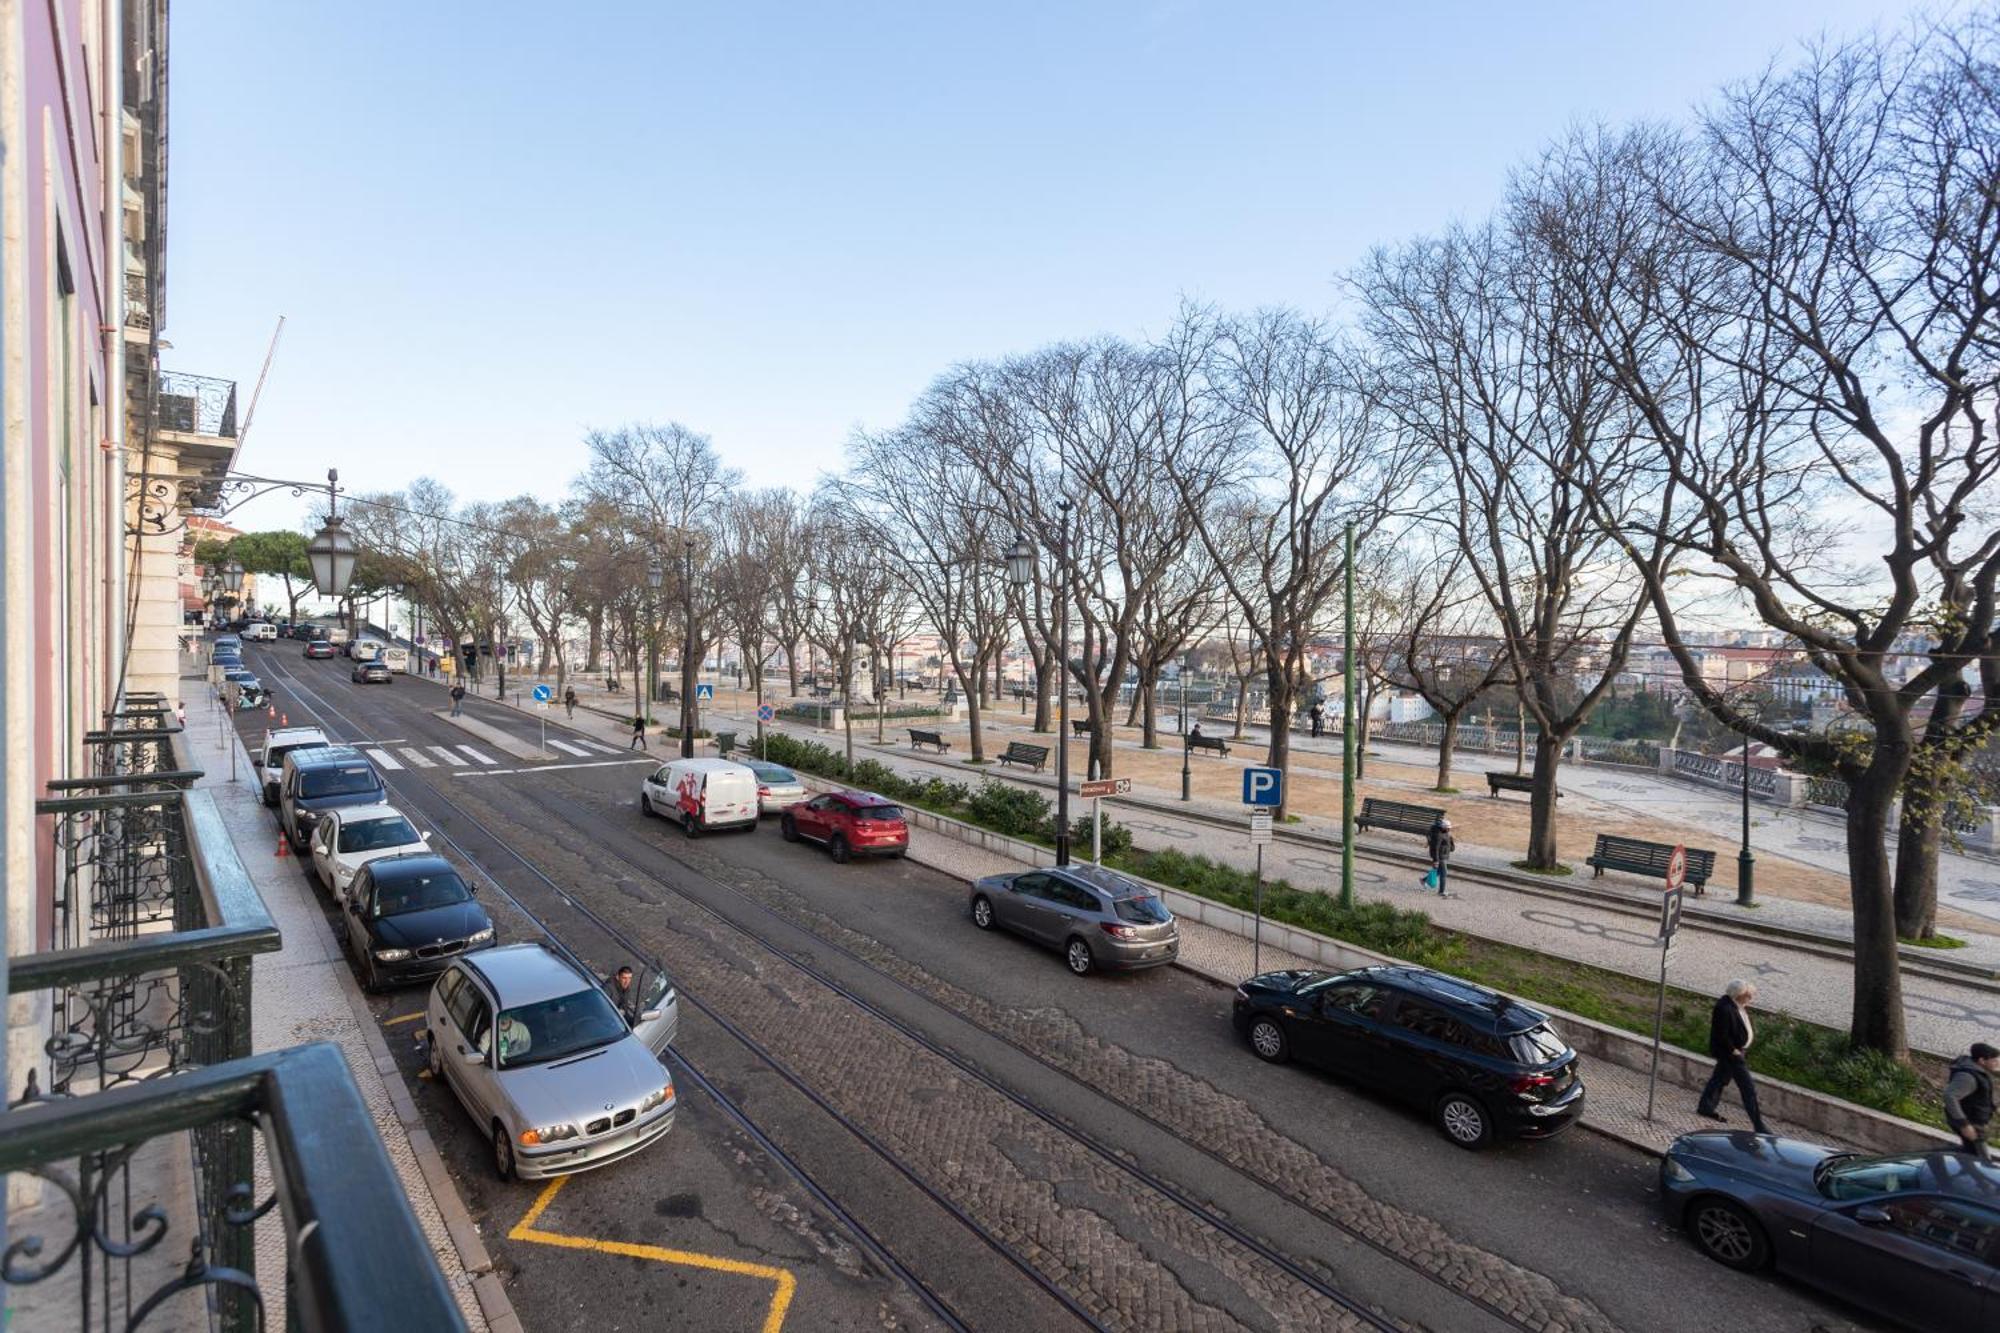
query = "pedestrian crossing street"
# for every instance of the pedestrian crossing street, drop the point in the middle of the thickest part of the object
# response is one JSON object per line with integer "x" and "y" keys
{"x": 467, "y": 756}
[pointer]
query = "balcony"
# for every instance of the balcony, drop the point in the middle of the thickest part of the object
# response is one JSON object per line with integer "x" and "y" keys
{"x": 195, "y": 421}
{"x": 149, "y": 1121}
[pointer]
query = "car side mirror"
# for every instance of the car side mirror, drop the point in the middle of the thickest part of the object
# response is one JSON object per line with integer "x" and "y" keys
{"x": 471, "y": 887}
{"x": 1869, "y": 1215}
{"x": 650, "y": 1016}
{"x": 425, "y": 835}
{"x": 471, "y": 1056}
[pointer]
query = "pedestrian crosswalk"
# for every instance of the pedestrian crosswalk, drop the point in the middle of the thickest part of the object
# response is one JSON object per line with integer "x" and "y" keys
{"x": 469, "y": 756}
{"x": 383, "y": 758}
{"x": 419, "y": 758}
{"x": 448, "y": 755}
{"x": 566, "y": 747}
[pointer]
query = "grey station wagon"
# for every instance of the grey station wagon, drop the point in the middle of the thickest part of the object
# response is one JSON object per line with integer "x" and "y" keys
{"x": 1097, "y": 917}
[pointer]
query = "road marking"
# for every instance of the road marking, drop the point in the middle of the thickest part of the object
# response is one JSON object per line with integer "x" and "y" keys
{"x": 480, "y": 755}
{"x": 781, "y": 1299}
{"x": 567, "y": 747}
{"x": 384, "y": 758}
{"x": 418, "y": 757}
{"x": 403, "y": 1018}
{"x": 451, "y": 757}
{"x": 546, "y": 768}
{"x": 601, "y": 746}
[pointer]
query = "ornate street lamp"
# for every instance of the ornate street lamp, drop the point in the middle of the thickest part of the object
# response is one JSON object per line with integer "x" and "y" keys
{"x": 332, "y": 551}
{"x": 232, "y": 577}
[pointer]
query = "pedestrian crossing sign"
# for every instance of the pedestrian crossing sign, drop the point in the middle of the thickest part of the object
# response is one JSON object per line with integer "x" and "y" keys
{"x": 704, "y": 691}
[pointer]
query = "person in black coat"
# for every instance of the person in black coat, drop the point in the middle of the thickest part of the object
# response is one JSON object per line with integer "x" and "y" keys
{"x": 1441, "y": 845}
{"x": 1730, "y": 1033}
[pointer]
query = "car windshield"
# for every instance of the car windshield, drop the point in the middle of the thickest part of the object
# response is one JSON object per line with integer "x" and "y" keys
{"x": 1867, "y": 1177}
{"x": 274, "y": 756}
{"x": 344, "y": 780}
{"x": 773, "y": 773}
{"x": 419, "y": 893}
{"x": 1536, "y": 1046}
{"x": 372, "y": 835}
{"x": 1147, "y": 910}
{"x": 878, "y": 812}
{"x": 534, "y": 1034}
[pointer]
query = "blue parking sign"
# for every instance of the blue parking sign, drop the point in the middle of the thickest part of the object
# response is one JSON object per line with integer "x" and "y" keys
{"x": 1263, "y": 786}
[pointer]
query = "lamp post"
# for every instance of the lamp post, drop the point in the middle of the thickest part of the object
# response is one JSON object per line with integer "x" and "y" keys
{"x": 1746, "y": 864}
{"x": 690, "y": 671}
{"x": 1187, "y": 748}
{"x": 332, "y": 551}
{"x": 1020, "y": 572}
{"x": 655, "y": 576}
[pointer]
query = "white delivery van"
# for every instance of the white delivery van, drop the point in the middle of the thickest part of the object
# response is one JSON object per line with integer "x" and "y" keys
{"x": 366, "y": 650}
{"x": 337, "y": 635}
{"x": 396, "y": 659}
{"x": 702, "y": 795}
{"x": 260, "y": 629}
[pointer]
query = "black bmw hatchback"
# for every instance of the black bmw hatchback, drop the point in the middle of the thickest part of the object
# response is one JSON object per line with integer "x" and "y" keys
{"x": 1482, "y": 1065}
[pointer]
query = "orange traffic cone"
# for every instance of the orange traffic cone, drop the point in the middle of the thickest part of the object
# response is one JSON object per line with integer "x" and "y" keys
{"x": 284, "y": 847}
{"x": 284, "y": 719}
{"x": 270, "y": 710}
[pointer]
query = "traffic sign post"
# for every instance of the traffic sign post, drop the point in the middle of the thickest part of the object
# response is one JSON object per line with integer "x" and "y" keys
{"x": 1670, "y": 921}
{"x": 1097, "y": 789}
{"x": 542, "y": 694}
{"x": 764, "y": 714}
{"x": 1263, "y": 786}
{"x": 1263, "y": 791}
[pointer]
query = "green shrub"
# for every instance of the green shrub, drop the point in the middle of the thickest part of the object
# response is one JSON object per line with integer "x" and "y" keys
{"x": 1116, "y": 839}
{"x": 1014, "y": 811}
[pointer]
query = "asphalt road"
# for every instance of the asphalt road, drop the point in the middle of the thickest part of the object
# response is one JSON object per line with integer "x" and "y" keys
{"x": 1032, "y": 1149}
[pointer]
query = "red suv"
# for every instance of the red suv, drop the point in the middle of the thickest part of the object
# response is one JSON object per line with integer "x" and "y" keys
{"x": 850, "y": 823}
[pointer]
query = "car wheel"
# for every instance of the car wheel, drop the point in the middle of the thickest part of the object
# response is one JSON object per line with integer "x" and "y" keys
{"x": 1464, "y": 1121}
{"x": 1077, "y": 954}
{"x": 503, "y": 1152}
{"x": 1268, "y": 1040}
{"x": 432, "y": 1060}
{"x": 1728, "y": 1234}
{"x": 839, "y": 850}
{"x": 689, "y": 826}
{"x": 788, "y": 830}
{"x": 270, "y": 794}
{"x": 982, "y": 913}
{"x": 645, "y": 806}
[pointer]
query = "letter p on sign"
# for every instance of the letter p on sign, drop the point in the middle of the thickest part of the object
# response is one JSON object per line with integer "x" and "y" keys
{"x": 1263, "y": 786}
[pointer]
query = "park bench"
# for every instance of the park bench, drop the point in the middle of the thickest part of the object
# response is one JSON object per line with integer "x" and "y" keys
{"x": 1082, "y": 727}
{"x": 1019, "y": 752}
{"x": 1640, "y": 857}
{"x": 1215, "y": 743}
{"x": 725, "y": 741}
{"x": 1397, "y": 816}
{"x": 1521, "y": 782}
{"x": 930, "y": 738}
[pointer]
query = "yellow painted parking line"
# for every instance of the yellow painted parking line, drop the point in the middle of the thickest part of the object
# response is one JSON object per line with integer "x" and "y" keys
{"x": 403, "y": 1018}
{"x": 781, "y": 1299}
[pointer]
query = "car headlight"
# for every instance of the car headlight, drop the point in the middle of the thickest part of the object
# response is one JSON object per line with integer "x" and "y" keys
{"x": 653, "y": 1099}
{"x": 341, "y": 873}
{"x": 547, "y": 1134}
{"x": 1674, "y": 1171}
{"x": 480, "y": 936}
{"x": 391, "y": 955}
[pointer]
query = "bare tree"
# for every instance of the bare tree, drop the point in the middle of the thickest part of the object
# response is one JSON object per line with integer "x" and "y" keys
{"x": 1441, "y": 646}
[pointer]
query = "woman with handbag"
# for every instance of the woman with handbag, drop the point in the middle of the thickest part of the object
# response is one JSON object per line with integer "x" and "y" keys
{"x": 1441, "y": 848}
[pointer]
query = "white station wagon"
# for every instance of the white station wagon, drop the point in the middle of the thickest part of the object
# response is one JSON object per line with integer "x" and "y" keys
{"x": 348, "y": 838}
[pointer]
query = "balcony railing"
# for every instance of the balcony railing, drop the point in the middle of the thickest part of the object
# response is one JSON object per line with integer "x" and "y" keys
{"x": 197, "y": 404}
{"x": 148, "y": 1062}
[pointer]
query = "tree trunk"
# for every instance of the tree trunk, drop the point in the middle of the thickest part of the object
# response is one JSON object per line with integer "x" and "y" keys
{"x": 972, "y": 723}
{"x": 593, "y": 656}
{"x": 1279, "y": 710}
{"x": 1242, "y": 705}
{"x": 792, "y": 666}
{"x": 1877, "y": 1020}
{"x": 1150, "y": 728}
{"x": 1445, "y": 744}
{"x": 1520, "y": 737}
{"x": 1044, "y": 675}
{"x": 1920, "y": 831}
{"x": 1364, "y": 727}
{"x": 1542, "y": 802}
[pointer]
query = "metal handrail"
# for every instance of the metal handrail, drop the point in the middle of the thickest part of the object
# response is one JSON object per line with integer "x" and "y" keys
{"x": 357, "y": 1258}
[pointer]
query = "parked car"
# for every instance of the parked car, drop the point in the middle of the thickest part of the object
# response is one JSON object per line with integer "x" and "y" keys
{"x": 373, "y": 671}
{"x": 546, "y": 1065}
{"x": 279, "y": 742}
{"x": 1098, "y": 918}
{"x": 1914, "y": 1237}
{"x": 849, "y": 823}
{"x": 319, "y": 648}
{"x": 703, "y": 795}
{"x": 346, "y": 839}
{"x": 261, "y": 630}
{"x": 323, "y": 779}
{"x": 230, "y": 641}
{"x": 406, "y": 917}
{"x": 249, "y": 690}
{"x": 1482, "y": 1064}
{"x": 778, "y": 788}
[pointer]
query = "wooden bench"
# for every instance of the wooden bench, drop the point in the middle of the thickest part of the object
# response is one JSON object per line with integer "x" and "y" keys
{"x": 1521, "y": 782}
{"x": 1019, "y": 752}
{"x": 1396, "y": 816}
{"x": 1640, "y": 857}
{"x": 930, "y": 738}
{"x": 1215, "y": 743}
{"x": 725, "y": 741}
{"x": 1082, "y": 728}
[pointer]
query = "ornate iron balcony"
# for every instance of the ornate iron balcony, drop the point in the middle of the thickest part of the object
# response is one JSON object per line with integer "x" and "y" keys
{"x": 197, "y": 404}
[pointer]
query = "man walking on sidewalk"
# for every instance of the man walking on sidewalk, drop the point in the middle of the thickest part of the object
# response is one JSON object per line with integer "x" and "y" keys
{"x": 1442, "y": 845}
{"x": 1729, "y": 1036}
{"x": 457, "y": 699}
{"x": 639, "y": 733}
{"x": 1968, "y": 1097}
{"x": 569, "y": 700}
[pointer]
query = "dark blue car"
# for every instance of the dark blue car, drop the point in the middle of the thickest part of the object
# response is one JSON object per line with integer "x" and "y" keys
{"x": 1914, "y": 1238}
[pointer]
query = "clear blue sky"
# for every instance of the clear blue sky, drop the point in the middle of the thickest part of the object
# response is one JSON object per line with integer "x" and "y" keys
{"x": 494, "y": 226}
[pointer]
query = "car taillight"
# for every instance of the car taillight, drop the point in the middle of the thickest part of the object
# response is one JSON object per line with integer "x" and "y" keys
{"x": 1118, "y": 932}
{"x": 1528, "y": 1083}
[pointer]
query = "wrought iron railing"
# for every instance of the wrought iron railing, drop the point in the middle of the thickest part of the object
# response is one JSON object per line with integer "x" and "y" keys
{"x": 1725, "y": 773}
{"x": 1629, "y": 753}
{"x": 197, "y": 404}
{"x": 355, "y": 1257}
{"x": 1825, "y": 789}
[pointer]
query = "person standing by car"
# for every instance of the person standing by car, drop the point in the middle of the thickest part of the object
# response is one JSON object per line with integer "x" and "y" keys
{"x": 1442, "y": 845}
{"x": 1730, "y": 1033}
{"x": 639, "y": 733}
{"x": 457, "y": 698}
{"x": 569, "y": 700}
{"x": 1968, "y": 1097}
{"x": 621, "y": 993}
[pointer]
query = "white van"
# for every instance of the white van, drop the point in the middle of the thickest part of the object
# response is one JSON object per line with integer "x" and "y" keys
{"x": 367, "y": 650}
{"x": 260, "y": 629}
{"x": 337, "y": 635}
{"x": 702, "y": 794}
{"x": 396, "y": 659}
